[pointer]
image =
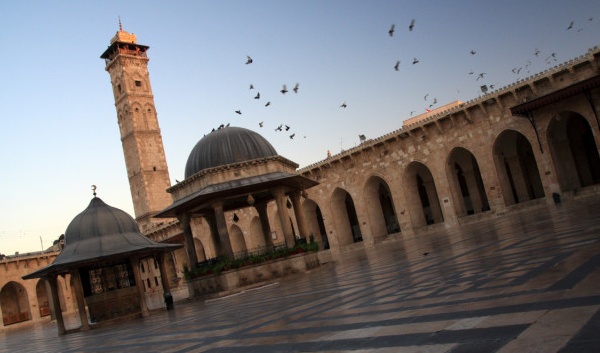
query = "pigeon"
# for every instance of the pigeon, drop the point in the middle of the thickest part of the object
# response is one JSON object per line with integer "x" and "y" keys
{"x": 261, "y": 123}
{"x": 284, "y": 90}
{"x": 296, "y": 88}
{"x": 571, "y": 25}
{"x": 480, "y": 76}
{"x": 279, "y": 128}
{"x": 239, "y": 112}
{"x": 267, "y": 104}
{"x": 249, "y": 60}
{"x": 415, "y": 60}
{"x": 287, "y": 128}
{"x": 425, "y": 97}
{"x": 343, "y": 105}
{"x": 391, "y": 31}
{"x": 397, "y": 66}
{"x": 257, "y": 95}
{"x": 412, "y": 25}
{"x": 473, "y": 52}
{"x": 251, "y": 86}
{"x": 292, "y": 136}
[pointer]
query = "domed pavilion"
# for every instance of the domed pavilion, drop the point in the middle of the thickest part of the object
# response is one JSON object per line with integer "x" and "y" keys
{"x": 230, "y": 169}
{"x": 102, "y": 253}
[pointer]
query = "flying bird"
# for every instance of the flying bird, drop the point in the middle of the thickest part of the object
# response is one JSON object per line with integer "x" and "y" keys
{"x": 239, "y": 112}
{"x": 391, "y": 31}
{"x": 296, "y": 88}
{"x": 536, "y": 52}
{"x": 473, "y": 52}
{"x": 248, "y": 60}
{"x": 287, "y": 128}
{"x": 425, "y": 97}
{"x": 415, "y": 60}
{"x": 279, "y": 128}
{"x": 343, "y": 105}
{"x": 571, "y": 25}
{"x": 397, "y": 66}
{"x": 267, "y": 104}
{"x": 251, "y": 86}
{"x": 284, "y": 90}
{"x": 292, "y": 135}
{"x": 412, "y": 25}
{"x": 261, "y": 123}
{"x": 480, "y": 76}
{"x": 257, "y": 95}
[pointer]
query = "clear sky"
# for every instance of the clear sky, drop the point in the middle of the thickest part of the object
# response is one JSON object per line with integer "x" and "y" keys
{"x": 59, "y": 132}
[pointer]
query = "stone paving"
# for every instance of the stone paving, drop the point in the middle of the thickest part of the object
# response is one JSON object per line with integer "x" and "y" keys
{"x": 527, "y": 281}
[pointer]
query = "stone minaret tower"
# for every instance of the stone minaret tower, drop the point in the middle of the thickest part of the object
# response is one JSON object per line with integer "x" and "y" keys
{"x": 127, "y": 64}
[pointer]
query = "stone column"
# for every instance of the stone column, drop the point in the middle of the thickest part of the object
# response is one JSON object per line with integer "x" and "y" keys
{"x": 135, "y": 264}
{"x": 434, "y": 201}
{"x": 55, "y": 302}
{"x": 188, "y": 237}
{"x": 261, "y": 208}
{"x": 214, "y": 234}
{"x": 474, "y": 194}
{"x": 284, "y": 217}
{"x": 518, "y": 178}
{"x": 164, "y": 280}
{"x": 78, "y": 289}
{"x": 226, "y": 249}
{"x": 299, "y": 213}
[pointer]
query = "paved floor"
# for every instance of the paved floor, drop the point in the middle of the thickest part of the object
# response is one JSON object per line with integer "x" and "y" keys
{"x": 524, "y": 282}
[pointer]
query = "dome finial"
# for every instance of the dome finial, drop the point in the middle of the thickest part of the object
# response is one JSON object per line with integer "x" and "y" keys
{"x": 120, "y": 26}
{"x": 94, "y": 190}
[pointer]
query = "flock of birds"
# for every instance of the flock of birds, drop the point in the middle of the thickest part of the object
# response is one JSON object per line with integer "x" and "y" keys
{"x": 479, "y": 77}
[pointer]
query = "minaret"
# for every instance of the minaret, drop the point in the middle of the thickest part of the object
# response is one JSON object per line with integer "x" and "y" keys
{"x": 127, "y": 64}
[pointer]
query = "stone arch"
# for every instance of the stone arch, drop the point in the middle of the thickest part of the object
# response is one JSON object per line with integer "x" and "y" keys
{"x": 574, "y": 151}
{"x": 421, "y": 194}
{"x": 139, "y": 118}
{"x": 14, "y": 303}
{"x": 517, "y": 168}
{"x": 257, "y": 233}
{"x": 345, "y": 217}
{"x": 42, "y": 298}
{"x": 200, "y": 253}
{"x": 466, "y": 183}
{"x": 315, "y": 222}
{"x": 380, "y": 204}
{"x": 238, "y": 244}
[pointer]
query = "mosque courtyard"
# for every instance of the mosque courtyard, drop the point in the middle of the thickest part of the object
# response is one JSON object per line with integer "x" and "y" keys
{"x": 526, "y": 281}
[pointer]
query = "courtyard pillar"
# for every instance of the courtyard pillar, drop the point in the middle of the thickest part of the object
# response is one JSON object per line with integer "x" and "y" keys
{"x": 284, "y": 218}
{"x": 222, "y": 230}
{"x": 135, "y": 265}
{"x": 164, "y": 279}
{"x": 518, "y": 178}
{"x": 474, "y": 194}
{"x": 299, "y": 213}
{"x": 188, "y": 238}
{"x": 78, "y": 289}
{"x": 434, "y": 202}
{"x": 55, "y": 302}
{"x": 261, "y": 208}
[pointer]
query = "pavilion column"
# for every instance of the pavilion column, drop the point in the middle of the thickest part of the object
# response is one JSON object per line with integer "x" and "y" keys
{"x": 261, "y": 208}
{"x": 135, "y": 265}
{"x": 299, "y": 213}
{"x": 60, "y": 323}
{"x": 164, "y": 279}
{"x": 214, "y": 233}
{"x": 188, "y": 238}
{"x": 284, "y": 218}
{"x": 78, "y": 289}
{"x": 226, "y": 249}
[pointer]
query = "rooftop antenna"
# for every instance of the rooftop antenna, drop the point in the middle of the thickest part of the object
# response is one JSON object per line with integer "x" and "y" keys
{"x": 120, "y": 26}
{"x": 94, "y": 190}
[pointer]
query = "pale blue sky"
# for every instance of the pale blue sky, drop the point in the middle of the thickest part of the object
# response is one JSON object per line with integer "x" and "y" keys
{"x": 59, "y": 130}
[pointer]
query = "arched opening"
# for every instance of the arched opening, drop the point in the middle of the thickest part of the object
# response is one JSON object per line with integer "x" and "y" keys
{"x": 345, "y": 216}
{"x": 200, "y": 253}
{"x": 315, "y": 223}
{"x": 238, "y": 244}
{"x": 257, "y": 235}
{"x": 574, "y": 151}
{"x": 517, "y": 168}
{"x": 42, "y": 298}
{"x": 380, "y": 204}
{"x": 422, "y": 198}
{"x": 14, "y": 303}
{"x": 466, "y": 183}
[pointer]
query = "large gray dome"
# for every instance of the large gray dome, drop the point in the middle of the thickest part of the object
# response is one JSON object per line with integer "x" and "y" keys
{"x": 225, "y": 146}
